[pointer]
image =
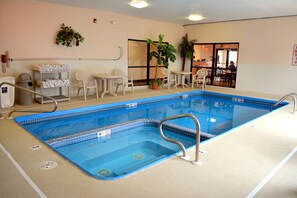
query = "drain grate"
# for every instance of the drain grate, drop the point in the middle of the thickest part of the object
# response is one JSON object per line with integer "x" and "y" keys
{"x": 47, "y": 165}
{"x": 104, "y": 172}
{"x": 138, "y": 156}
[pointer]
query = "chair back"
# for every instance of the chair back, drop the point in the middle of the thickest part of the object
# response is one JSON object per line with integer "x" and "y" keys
{"x": 81, "y": 76}
{"x": 121, "y": 73}
{"x": 201, "y": 73}
{"x": 165, "y": 71}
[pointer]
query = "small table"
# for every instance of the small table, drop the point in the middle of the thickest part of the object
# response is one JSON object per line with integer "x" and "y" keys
{"x": 107, "y": 82}
{"x": 181, "y": 77}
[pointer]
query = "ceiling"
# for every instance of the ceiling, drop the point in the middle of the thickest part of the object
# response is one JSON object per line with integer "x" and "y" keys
{"x": 177, "y": 11}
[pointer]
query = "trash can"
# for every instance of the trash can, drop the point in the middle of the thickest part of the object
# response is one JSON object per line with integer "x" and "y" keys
{"x": 7, "y": 92}
{"x": 25, "y": 81}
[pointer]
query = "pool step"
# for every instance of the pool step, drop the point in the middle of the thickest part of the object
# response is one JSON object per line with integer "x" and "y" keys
{"x": 146, "y": 147}
{"x": 139, "y": 164}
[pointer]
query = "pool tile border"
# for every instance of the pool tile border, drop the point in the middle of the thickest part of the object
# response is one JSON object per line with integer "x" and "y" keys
{"x": 91, "y": 134}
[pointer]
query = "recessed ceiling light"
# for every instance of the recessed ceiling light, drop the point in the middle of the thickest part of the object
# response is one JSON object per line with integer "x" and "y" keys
{"x": 195, "y": 17}
{"x": 138, "y": 4}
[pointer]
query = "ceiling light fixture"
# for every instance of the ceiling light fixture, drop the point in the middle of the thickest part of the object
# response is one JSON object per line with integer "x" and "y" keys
{"x": 195, "y": 17}
{"x": 138, "y": 4}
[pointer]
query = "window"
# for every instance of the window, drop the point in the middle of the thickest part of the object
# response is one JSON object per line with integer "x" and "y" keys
{"x": 217, "y": 58}
{"x": 137, "y": 61}
{"x": 139, "y": 66}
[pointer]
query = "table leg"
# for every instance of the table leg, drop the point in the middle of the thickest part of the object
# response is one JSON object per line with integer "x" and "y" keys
{"x": 183, "y": 81}
{"x": 110, "y": 88}
{"x": 177, "y": 80}
{"x": 104, "y": 82}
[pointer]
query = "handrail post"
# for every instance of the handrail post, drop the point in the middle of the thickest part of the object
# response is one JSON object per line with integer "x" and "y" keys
{"x": 293, "y": 95}
{"x": 31, "y": 91}
{"x": 196, "y": 162}
{"x": 295, "y": 101}
{"x": 184, "y": 156}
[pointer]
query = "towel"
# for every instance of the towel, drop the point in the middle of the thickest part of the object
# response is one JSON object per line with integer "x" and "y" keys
{"x": 51, "y": 67}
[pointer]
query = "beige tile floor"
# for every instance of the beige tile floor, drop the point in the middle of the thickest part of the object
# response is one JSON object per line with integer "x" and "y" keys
{"x": 233, "y": 166}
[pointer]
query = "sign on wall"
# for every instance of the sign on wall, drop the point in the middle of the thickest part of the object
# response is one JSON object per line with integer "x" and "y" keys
{"x": 294, "y": 61}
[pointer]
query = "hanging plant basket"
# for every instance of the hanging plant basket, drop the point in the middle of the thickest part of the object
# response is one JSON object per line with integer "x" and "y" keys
{"x": 67, "y": 36}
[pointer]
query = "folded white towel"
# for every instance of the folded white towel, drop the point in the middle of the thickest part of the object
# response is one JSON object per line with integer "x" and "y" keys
{"x": 51, "y": 67}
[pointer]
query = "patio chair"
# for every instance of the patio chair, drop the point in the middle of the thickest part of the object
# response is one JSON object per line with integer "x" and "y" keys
{"x": 199, "y": 77}
{"x": 125, "y": 82}
{"x": 168, "y": 78}
{"x": 85, "y": 83}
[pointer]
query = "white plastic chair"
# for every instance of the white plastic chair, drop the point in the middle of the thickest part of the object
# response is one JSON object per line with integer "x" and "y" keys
{"x": 85, "y": 83}
{"x": 167, "y": 78}
{"x": 125, "y": 82}
{"x": 200, "y": 77}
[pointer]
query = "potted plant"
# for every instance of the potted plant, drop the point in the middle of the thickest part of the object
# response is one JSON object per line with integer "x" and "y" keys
{"x": 163, "y": 53}
{"x": 67, "y": 36}
{"x": 186, "y": 49}
{"x": 155, "y": 83}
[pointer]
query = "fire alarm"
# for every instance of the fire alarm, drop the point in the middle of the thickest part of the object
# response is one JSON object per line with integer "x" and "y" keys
{"x": 94, "y": 20}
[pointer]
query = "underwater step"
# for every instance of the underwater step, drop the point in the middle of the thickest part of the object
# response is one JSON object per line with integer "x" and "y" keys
{"x": 128, "y": 159}
{"x": 139, "y": 164}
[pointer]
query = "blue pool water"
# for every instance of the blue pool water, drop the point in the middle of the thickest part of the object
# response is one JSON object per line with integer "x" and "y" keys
{"x": 125, "y": 151}
{"x": 72, "y": 133}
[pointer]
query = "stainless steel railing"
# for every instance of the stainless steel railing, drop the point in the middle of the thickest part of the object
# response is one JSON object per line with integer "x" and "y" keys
{"x": 27, "y": 111}
{"x": 184, "y": 156}
{"x": 293, "y": 95}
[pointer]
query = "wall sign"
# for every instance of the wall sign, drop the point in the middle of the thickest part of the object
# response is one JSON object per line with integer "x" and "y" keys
{"x": 294, "y": 61}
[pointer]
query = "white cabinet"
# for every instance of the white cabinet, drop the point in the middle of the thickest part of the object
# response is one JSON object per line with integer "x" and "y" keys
{"x": 54, "y": 83}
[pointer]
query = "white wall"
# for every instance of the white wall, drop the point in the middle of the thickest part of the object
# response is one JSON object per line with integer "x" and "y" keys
{"x": 28, "y": 30}
{"x": 265, "y": 51}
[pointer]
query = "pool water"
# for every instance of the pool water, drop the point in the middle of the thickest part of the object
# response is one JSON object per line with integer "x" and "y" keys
{"x": 77, "y": 133}
{"x": 125, "y": 152}
{"x": 216, "y": 115}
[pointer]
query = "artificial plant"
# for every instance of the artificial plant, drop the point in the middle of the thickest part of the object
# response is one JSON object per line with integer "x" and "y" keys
{"x": 186, "y": 49}
{"x": 163, "y": 53}
{"x": 67, "y": 36}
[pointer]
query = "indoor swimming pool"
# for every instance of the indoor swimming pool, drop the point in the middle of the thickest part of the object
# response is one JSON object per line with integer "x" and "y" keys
{"x": 112, "y": 141}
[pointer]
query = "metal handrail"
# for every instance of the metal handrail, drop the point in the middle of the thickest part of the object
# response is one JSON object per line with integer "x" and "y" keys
{"x": 65, "y": 58}
{"x": 184, "y": 156}
{"x": 27, "y": 111}
{"x": 293, "y": 95}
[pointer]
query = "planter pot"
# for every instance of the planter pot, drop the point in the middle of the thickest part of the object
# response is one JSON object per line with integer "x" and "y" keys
{"x": 155, "y": 86}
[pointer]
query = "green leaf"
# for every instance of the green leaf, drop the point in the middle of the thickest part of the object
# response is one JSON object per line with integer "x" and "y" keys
{"x": 67, "y": 36}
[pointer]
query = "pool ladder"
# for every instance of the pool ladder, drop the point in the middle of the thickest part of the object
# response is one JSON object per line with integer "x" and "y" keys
{"x": 293, "y": 95}
{"x": 27, "y": 111}
{"x": 184, "y": 156}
